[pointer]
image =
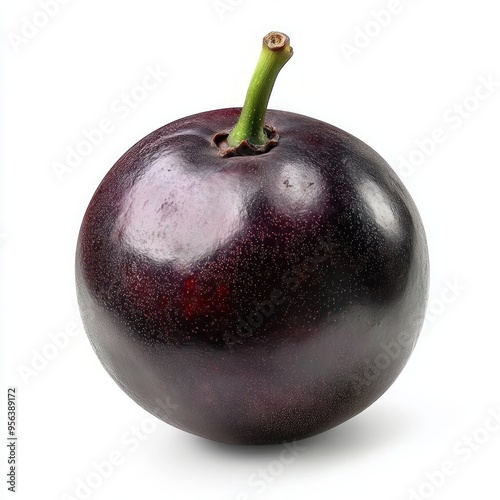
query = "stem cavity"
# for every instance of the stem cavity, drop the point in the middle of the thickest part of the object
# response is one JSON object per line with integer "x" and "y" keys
{"x": 250, "y": 136}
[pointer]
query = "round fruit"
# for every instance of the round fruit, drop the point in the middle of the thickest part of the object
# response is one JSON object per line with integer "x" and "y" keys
{"x": 252, "y": 290}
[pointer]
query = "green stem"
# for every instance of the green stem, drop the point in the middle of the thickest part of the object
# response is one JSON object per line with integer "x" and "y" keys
{"x": 276, "y": 51}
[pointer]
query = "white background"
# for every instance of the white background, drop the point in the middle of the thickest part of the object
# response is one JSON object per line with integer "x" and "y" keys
{"x": 412, "y": 76}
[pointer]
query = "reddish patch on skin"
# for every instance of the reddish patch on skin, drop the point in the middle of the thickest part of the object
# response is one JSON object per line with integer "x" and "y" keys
{"x": 200, "y": 298}
{"x": 221, "y": 294}
{"x": 189, "y": 284}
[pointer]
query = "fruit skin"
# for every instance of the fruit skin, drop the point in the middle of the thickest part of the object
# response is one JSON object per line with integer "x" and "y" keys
{"x": 179, "y": 247}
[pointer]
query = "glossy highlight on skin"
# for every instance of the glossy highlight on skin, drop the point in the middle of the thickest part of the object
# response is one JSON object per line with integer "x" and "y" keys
{"x": 242, "y": 299}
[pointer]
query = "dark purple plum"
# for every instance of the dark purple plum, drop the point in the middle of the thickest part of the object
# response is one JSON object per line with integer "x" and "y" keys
{"x": 255, "y": 297}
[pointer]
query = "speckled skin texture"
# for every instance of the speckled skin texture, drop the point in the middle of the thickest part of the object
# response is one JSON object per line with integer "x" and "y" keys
{"x": 256, "y": 299}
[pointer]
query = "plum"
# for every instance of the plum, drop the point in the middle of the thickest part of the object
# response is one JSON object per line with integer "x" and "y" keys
{"x": 252, "y": 276}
